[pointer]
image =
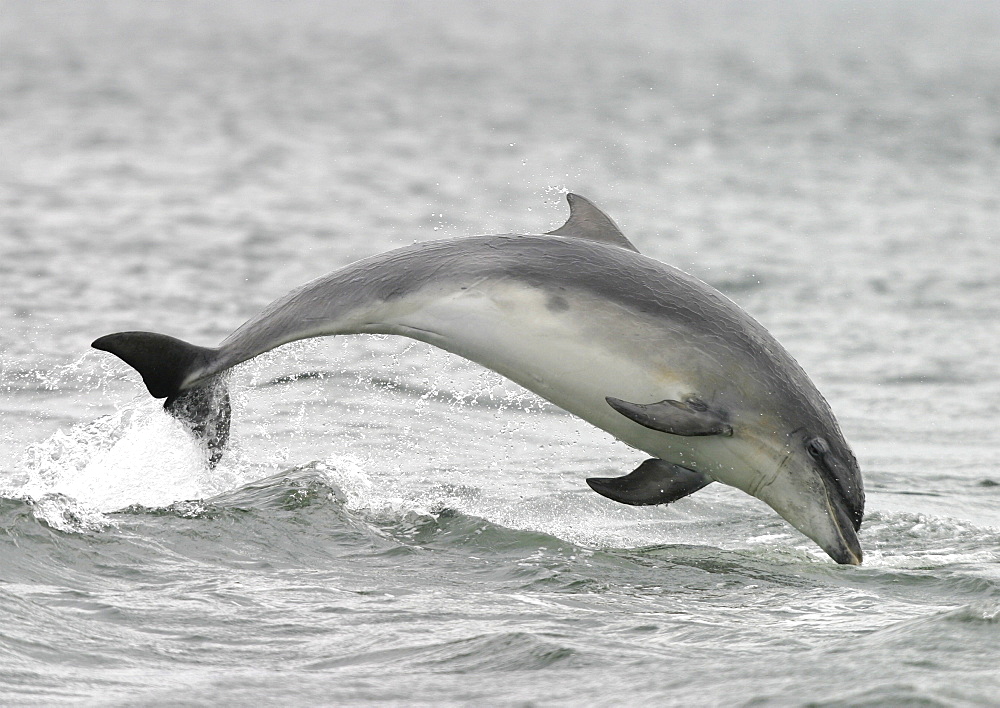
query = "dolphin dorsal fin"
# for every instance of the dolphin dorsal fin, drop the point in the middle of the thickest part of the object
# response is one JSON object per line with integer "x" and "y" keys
{"x": 587, "y": 221}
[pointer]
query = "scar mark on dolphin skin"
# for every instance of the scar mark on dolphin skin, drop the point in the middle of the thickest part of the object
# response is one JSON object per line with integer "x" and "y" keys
{"x": 556, "y": 303}
{"x": 767, "y": 480}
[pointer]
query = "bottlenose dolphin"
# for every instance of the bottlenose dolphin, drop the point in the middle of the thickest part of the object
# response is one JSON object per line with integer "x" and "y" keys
{"x": 638, "y": 348}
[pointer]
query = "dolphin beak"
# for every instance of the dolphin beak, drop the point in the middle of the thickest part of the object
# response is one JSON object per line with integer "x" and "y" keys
{"x": 814, "y": 503}
{"x": 845, "y": 548}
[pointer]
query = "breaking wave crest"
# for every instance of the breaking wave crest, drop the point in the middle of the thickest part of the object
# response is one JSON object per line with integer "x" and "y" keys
{"x": 140, "y": 461}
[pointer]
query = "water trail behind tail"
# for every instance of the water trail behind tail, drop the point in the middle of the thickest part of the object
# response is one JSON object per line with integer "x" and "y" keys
{"x": 166, "y": 364}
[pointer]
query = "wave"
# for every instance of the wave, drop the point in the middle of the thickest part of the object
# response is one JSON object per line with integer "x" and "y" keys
{"x": 141, "y": 462}
{"x": 342, "y": 530}
{"x": 908, "y": 540}
{"x": 449, "y": 515}
{"x": 507, "y": 651}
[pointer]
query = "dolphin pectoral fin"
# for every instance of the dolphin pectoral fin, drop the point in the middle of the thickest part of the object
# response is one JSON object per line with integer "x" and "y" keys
{"x": 690, "y": 417}
{"x": 589, "y": 222}
{"x": 655, "y": 481}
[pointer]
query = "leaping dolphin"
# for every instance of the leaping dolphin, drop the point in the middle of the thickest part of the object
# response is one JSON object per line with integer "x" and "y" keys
{"x": 652, "y": 355}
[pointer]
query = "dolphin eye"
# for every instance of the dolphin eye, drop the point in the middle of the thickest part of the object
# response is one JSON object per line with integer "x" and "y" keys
{"x": 817, "y": 448}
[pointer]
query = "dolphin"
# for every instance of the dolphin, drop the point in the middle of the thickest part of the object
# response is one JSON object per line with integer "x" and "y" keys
{"x": 642, "y": 350}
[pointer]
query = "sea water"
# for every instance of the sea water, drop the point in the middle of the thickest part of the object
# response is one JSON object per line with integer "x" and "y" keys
{"x": 395, "y": 526}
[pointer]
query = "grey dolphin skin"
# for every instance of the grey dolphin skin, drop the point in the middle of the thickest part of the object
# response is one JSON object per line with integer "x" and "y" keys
{"x": 653, "y": 356}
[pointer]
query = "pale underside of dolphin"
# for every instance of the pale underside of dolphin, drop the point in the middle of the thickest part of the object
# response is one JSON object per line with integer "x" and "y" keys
{"x": 644, "y": 351}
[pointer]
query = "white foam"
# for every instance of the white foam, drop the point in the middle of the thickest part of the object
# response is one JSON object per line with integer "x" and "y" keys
{"x": 139, "y": 456}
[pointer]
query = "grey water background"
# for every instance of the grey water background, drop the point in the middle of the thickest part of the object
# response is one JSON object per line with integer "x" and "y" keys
{"x": 396, "y": 526}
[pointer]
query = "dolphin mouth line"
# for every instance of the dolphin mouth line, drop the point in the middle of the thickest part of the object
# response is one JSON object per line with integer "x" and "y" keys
{"x": 851, "y": 558}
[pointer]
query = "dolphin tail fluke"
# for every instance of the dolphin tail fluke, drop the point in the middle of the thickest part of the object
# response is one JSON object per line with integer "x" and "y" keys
{"x": 166, "y": 364}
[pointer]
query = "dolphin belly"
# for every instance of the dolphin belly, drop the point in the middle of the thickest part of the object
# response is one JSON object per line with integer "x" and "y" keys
{"x": 570, "y": 348}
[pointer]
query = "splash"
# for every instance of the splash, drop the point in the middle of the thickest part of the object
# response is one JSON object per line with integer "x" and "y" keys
{"x": 66, "y": 514}
{"x": 134, "y": 456}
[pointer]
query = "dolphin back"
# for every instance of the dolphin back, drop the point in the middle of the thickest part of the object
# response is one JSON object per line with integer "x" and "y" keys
{"x": 165, "y": 363}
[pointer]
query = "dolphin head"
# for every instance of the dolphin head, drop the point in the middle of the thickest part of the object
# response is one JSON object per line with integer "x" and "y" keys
{"x": 817, "y": 488}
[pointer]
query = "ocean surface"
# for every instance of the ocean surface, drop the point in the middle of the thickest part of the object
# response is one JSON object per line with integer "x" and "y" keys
{"x": 396, "y": 526}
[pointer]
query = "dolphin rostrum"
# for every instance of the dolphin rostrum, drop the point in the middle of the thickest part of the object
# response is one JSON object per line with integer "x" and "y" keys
{"x": 648, "y": 353}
